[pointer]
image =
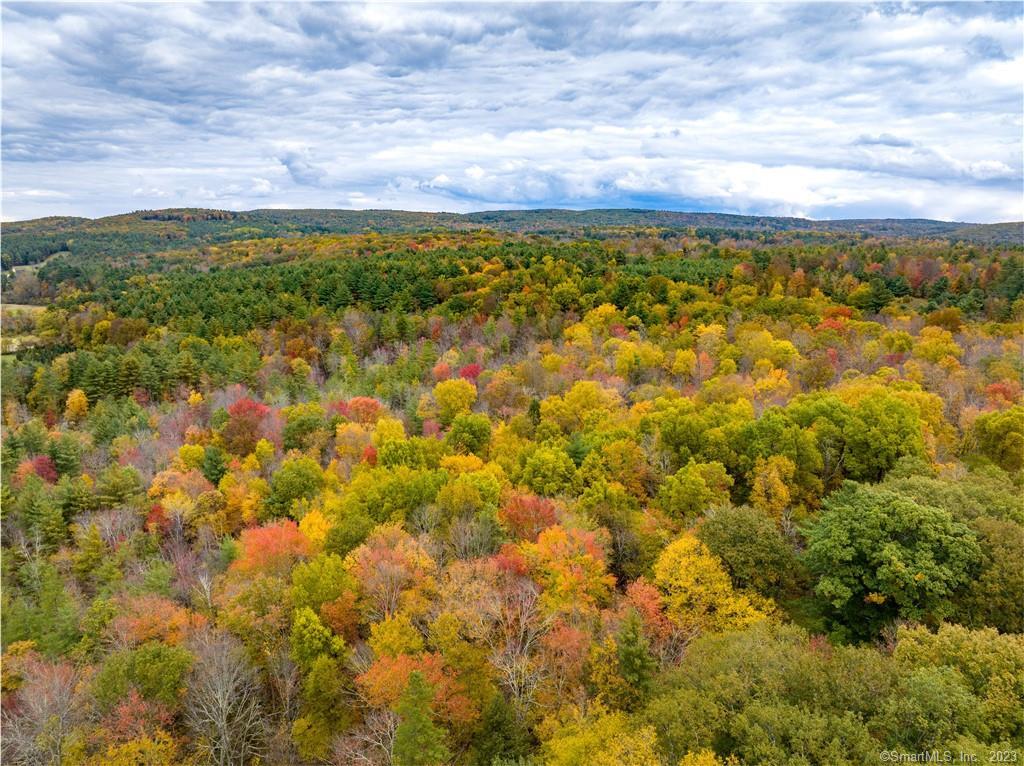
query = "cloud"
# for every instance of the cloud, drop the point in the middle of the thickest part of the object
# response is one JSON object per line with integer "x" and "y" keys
{"x": 302, "y": 171}
{"x": 821, "y": 110}
{"x": 883, "y": 139}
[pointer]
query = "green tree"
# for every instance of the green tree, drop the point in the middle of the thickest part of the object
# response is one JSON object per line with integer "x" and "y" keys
{"x": 469, "y": 433}
{"x": 775, "y": 731}
{"x": 66, "y": 454}
{"x": 297, "y": 478}
{"x": 995, "y": 596}
{"x": 879, "y": 556}
{"x": 634, "y": 545}
{"x": 90, "y": 554}
{"x": 155, "y": 670}
{"x": 32, "y": 437}
{"x": 751, "y": 548}
{"x": 500, "y": 736}
{"x": 636, "y": 666}
{"x": 882, "y": 428}
{"x": 214, "y": 464}
{"x": 47, "y": 615}
{"x": 930, "y": 710}
{"x": 324, "y": 711}
{"x": 349, "y": 532}
{"x": 693, "y": 489}
{"x": 549, "y": 471}
{"x": 319, "y": 580}
{"x": 118, "y": 486}
{"x": 311, "y": 639}
{"x": 1000, "y": 437}
{"x": 418, "y": 740}
{"x": 988, "y": 664}
{"x": 74, "y": 495}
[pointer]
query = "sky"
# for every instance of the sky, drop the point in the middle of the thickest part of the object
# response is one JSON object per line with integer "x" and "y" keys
{"x": 823, "y": 111}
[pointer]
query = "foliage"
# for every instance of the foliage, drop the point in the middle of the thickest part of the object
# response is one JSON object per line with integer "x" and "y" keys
{"x": 751, "y": 548}
{"x": 418, "y": 740}
{"x": 878, "y": 556}
{"x": 697, "y": 592}
{"x": 602, "y": 739}
{"x": 523, "y": 487}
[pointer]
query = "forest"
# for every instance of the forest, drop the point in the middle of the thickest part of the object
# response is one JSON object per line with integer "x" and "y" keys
{"x": 145, "y": 231}
{"x": 404, "y": 489}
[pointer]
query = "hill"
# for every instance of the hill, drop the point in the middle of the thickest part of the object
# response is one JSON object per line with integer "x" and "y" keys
{"x": 27, "y": 242}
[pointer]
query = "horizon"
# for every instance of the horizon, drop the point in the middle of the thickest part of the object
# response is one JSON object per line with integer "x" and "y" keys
{"x": 509, "y": 210}
{"x": 787, "y": 110}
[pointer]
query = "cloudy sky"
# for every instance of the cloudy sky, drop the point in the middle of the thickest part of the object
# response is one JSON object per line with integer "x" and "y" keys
{"x": 825, "y": 110}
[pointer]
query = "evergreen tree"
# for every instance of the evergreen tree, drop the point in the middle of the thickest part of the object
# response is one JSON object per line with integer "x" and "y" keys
{"x": 64, "y": 451}
{"x": 129, "y": 375}
{"x": 418, "y": 740}
{"x": 49, "y": 619}
{"x": 636, "y": 665}
{"x": 91, "y": 552}
{"x": 73, "y": 496}
{"x": 214, "y": 465}
{"x": 501, "y": 737}
{"x": 50, "y": 525}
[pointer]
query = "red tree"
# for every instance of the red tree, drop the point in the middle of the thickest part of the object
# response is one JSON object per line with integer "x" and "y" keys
{"x": 273, "y": 548}
{"x": 525, "y": 516}
{"x": 242, "y": 431}
{"x": 471, "y": 372}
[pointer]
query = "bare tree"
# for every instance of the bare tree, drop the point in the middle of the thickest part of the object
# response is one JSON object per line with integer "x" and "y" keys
{"x": 519, "y": 626}
{"x": 370, "y": 743}
{"x": 223, "y": 706}
{"x": 37, "y": 723}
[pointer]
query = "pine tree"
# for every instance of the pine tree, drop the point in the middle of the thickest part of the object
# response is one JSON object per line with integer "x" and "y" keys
{"x": 35, "y": 510}
{"x": 64, "y": 451}
{"x": 50, "y": 525}
{"x": 118, "y": 486}
{"x": 636, "y": 665}
{"x": 106, "y": 378}
{"x": 214, "y": 465}
{"x": 32, "y": 437}
{"x": 502, "y": 737}
{"x": 46, "y": 395}
{"x": 418, "y": 740}
{"x": 91, "y": 552}
{"x": 534, "y": 411}
{"x": 74, "y": 496}
{"x": 56, "y": 622}
{"x": 150, "y": 378}
{"x": 186, "y": 369}
{"x": 128, "y": 375}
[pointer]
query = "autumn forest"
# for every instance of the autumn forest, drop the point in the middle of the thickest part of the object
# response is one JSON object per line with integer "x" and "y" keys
{"x": 397, "y": 489}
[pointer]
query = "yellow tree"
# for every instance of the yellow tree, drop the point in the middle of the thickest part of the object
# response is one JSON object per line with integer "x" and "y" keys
{"x": 77, "y": 406}
{"x": 569, "y": 564}
{"x": 453, "y": 397}
{"x": 698, "y": 595}
{"x": 772, "y": 478}
{"x": 602, "y": 739}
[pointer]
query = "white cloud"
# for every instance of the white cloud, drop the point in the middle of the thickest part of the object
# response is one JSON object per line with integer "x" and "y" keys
{"x": 822, "y": 110}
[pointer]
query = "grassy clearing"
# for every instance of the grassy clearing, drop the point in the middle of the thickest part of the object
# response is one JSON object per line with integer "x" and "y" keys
{"x": 14, "y": 343}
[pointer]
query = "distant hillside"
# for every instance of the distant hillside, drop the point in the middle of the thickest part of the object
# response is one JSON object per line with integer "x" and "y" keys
{"x": 991, "y": 233}
{"x": 28, "y": 242}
